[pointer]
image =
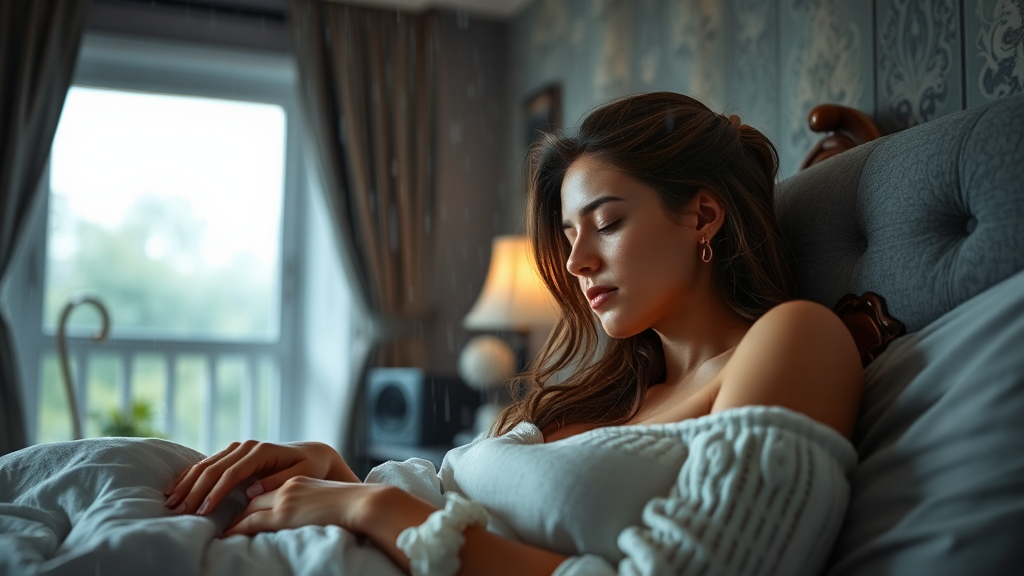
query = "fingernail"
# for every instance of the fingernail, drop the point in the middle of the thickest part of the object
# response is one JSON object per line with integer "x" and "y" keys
{"x": 172, "y": 501}
{"x": 180, "y": 508}
{"x": 202, "y": 509}
{"x": 254, "y": 490}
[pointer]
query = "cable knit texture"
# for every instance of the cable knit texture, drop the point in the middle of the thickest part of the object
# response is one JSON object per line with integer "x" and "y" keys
{"x": 753, "y": 490}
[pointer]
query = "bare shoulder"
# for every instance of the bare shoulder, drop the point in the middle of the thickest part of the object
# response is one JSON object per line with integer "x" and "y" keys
{"x": 801, "y": 356}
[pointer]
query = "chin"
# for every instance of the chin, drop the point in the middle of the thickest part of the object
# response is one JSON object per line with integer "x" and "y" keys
{"x": 618, "y": 330}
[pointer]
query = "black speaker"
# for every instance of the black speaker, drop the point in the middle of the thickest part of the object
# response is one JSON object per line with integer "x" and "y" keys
{"x": 410, "y": 407}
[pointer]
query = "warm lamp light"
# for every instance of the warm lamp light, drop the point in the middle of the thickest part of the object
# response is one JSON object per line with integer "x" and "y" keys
{"x": 513, "y": 298}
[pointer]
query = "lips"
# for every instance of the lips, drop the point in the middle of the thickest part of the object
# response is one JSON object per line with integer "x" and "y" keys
{"x": 598, "y": 295}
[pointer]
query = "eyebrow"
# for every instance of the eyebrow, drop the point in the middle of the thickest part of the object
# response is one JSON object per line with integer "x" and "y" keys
{"x": 593, "y": 205}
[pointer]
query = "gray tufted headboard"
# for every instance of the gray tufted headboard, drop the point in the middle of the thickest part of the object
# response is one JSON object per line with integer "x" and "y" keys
{"x": 927, "y": 217}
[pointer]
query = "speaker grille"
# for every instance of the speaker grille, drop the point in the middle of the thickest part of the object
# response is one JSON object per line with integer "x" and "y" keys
{"x": 391, "y": 409}
{"x": 409, "y": 407}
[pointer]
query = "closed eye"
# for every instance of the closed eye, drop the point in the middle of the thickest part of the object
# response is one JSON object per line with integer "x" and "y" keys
{"x": 605, "y": 230}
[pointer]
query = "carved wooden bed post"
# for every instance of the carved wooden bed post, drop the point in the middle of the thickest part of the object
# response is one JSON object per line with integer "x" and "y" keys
{"x": 844, "y": 128}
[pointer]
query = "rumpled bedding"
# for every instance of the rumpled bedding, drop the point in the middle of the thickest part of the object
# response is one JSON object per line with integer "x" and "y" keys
{"x": 97, "y": 507}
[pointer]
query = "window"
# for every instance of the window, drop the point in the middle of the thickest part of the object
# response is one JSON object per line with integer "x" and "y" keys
{"x": 168, "y": 206}
{"x": 174, "y": 195}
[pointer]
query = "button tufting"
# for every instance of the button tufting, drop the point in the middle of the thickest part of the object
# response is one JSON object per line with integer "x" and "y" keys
{"x": 972, "y": 223}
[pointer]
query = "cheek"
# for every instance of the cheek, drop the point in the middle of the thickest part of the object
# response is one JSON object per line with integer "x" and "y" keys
{"x": 658, "y": 255}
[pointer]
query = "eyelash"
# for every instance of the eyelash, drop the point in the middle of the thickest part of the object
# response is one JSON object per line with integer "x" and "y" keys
{"x": 609, "y": 228}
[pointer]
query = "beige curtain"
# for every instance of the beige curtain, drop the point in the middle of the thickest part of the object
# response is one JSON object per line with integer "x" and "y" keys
{"x": 39, "y": 42}
{"x": 367, "y": 85}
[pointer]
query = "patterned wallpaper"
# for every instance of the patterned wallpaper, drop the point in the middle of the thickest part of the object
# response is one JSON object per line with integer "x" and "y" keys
{"x": 904, "y": 61}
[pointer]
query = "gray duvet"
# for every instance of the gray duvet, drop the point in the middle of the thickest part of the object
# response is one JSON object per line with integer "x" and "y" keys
{"x": 97, "y": 507}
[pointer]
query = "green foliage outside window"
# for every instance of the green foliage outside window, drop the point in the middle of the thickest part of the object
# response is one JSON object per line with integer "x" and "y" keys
{"x": 136, "y": 422}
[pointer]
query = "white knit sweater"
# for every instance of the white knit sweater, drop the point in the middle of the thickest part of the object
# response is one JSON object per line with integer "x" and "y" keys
{"x": 753, "y": 490}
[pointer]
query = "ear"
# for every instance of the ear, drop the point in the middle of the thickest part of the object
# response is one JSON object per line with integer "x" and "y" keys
{"x": 707, "y": 213}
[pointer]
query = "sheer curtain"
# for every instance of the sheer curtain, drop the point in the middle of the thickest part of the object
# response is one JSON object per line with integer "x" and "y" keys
{"x": 368, "y": 90}
{"x": 39, "y": 42}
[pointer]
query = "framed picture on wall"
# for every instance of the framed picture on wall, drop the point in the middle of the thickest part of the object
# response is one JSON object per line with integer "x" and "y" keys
{"x": 543, "y": 112}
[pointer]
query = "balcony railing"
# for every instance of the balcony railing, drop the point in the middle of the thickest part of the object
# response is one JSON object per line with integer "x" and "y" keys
{"x": 203, "y": 394}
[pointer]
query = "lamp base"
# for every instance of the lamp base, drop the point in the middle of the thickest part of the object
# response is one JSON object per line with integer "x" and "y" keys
{"x": 486, "y": 414}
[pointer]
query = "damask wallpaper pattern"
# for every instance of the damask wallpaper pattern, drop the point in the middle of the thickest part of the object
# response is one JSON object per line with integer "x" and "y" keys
{"x": 918, "y": 74}
{"x": 752, "y": 77}
{"x": 826, "y": 56}
{"x": 995, "y": 50}
{"x": 903, "y": 61}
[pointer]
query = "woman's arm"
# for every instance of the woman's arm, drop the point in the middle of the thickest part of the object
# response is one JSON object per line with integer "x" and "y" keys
{"x": 484, "y": 553}
{"x": 381, "y": 512}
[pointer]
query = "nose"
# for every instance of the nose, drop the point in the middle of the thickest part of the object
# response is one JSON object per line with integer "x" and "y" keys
{"x": 582, "y": 260}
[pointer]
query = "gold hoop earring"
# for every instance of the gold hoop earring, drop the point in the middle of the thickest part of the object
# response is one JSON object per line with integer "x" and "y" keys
{"x": 706, "y": 253}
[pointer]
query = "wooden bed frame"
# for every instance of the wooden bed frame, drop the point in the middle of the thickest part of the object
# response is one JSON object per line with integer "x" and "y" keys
{"x": 866, "y": 316}
{"x": 843, "y": 127}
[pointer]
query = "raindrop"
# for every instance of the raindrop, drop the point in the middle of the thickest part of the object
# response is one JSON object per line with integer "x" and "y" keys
{"x": 393, "y": 229}
{"x": 447, "y": 406}
{"x": 455, "y": 131}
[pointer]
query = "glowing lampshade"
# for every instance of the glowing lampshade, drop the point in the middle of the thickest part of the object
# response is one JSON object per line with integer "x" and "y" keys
{"x": 513, "y": 298}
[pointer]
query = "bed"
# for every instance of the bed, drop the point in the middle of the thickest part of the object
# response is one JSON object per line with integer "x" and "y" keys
{"x": 914, "y": 238}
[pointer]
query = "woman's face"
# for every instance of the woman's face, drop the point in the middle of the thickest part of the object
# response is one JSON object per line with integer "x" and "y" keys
{"x": 636, "y": 267}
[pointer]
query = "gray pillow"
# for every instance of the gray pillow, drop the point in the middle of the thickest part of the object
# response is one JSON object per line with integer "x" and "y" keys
{"x": 940, "y": 484}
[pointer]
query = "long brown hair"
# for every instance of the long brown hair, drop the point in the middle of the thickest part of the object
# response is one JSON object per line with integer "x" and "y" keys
{"x": 677, "y": 146}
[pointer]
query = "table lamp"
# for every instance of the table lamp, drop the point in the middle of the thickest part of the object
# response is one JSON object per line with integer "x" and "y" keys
{"x": 512, "y": 302}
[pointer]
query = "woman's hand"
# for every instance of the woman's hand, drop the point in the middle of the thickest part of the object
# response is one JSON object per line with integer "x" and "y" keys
{"x": 202, "y": 486}
{"x": 303, "y": 501}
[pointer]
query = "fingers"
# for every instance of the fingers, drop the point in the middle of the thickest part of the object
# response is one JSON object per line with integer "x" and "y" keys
{"x": 189, "y": 494}
{"x": 204, "y": 485}
{"x": 301, "y": 501}
{"x": 261, "y": 506}
{"x": 175, "y": 492}
{"x": 261, "y": 457}
{"x": 174, "y": 483}
{"x": 275, "y": 481}
{"x": 261, "y": 521}
{"x": 204, "y": 462}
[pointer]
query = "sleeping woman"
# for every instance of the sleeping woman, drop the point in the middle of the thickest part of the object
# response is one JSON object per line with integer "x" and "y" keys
{"x": 708, "y": 434}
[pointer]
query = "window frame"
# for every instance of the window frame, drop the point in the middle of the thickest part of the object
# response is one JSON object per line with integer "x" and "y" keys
{"x": 126, "y": 63}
